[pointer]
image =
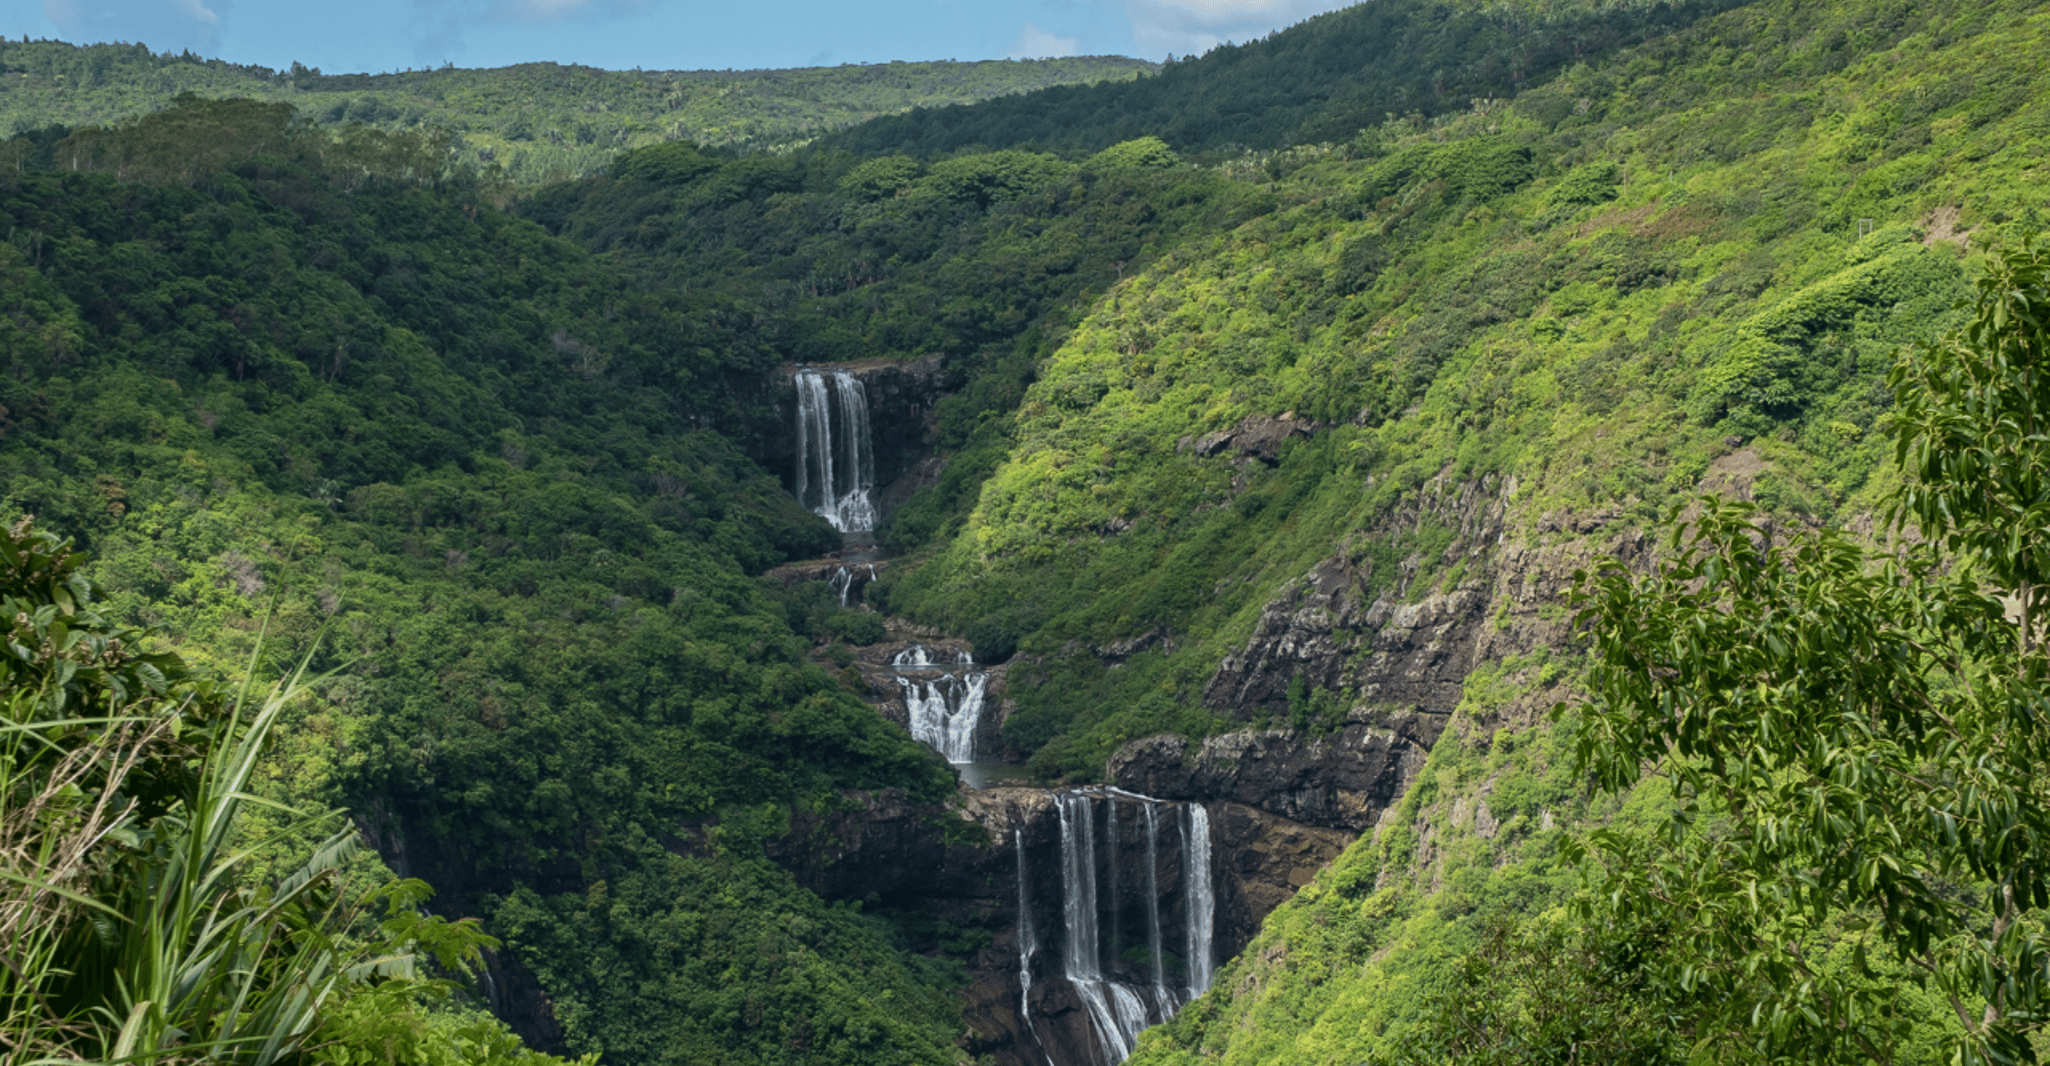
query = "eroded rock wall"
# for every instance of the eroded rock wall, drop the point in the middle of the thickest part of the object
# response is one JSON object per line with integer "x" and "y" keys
{"x": 964, "y": 864}
{"x": 1342, "y": 781}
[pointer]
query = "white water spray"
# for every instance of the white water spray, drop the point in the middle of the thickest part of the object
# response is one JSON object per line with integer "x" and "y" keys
{"x": 1027, "y": 943}
{"x": 946, "y": 711}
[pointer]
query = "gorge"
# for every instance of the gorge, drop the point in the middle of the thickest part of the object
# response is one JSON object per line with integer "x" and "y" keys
{"x": 1084, "y": 577}
{"x": 1108, "y": 898}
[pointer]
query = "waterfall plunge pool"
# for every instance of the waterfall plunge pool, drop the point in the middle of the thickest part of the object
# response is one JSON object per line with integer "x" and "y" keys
{"x": 980, "y": 775}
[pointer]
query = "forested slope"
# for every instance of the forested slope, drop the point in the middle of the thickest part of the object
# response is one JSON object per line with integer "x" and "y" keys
{"x": 1688, "y": 268}
{"x": 1220, "y": 437}
{"x": 486, "y": 465}
{"x": 1320, "y": 81}
{"x": 537, "y": 121}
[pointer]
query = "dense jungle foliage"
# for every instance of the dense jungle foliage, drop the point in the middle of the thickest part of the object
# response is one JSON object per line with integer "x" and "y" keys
{"x": 1579, "y": 296}
{"x": 485, "y": 466}
{"x": 136, "y": 922}
{"x": 1600, "y": 257}
{"x": 535, "y": 122}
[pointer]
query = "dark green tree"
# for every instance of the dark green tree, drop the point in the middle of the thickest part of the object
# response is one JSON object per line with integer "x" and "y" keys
{"x": 1852, "y": 739}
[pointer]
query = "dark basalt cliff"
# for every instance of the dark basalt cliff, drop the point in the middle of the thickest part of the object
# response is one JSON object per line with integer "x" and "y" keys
{"x": 1345, "y": 628}
{"x": 1343, "y": 781}
{"x": 961, "y": 867}
{"x": 900, "y": 397}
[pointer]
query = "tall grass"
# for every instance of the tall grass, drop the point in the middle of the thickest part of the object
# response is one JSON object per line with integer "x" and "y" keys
{"x": 129, "y": 931}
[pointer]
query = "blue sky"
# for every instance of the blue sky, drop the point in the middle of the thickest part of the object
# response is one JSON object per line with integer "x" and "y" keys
{"x": 345, "y": 36}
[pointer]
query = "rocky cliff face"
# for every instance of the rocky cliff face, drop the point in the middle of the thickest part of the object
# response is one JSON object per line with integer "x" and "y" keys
{"x": 1345, "y": 628}
{"x": 994, "y": 862}
{"x": 1393, "y": 651}
{"x": 901, "y": 396}
{"x": 1342, "y": 781}
{"x": 515, "y": 994}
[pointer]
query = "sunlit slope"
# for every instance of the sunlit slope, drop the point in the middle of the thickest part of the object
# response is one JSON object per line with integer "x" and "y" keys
{"x": 1321, "y": 80}
{"x": 1582, "y": 297}
{"x": 1582, "y": 293}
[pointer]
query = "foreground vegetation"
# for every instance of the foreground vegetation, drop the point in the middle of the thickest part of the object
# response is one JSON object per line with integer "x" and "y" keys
{"x": 137, "y": 922}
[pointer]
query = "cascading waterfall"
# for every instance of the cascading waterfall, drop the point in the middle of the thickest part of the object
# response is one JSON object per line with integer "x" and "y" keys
{"x": 835, "y": 465}
{"x": 1119, "y": 1002}
{"x": 1027, "y": 943}
{"x": 1160, "y": 996}
{"x": 945, "y": 711}
{"x": 1202, "y": 902}
{"x": 846, "y": 579}
{"x": 1115, "y": 1013}
{"x": 919, "y": 657}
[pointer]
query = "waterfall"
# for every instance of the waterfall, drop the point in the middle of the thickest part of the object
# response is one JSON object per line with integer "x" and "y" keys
{"x": 1027, "y": 943}
{"x": 1114, "y": 1012}
{"x": 835, "y": 465}
{"x": 843, "y": 583}
{"x": 1201, "y": 907}
{"x": 944, "y": 711}
{"x": 918, "y": 657}
{"x": 1160, "y": 996}
{"x": 1119, "y": 998}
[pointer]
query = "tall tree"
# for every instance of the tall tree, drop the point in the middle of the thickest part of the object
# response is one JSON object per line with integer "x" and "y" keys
{"x": 1852, "y": 738}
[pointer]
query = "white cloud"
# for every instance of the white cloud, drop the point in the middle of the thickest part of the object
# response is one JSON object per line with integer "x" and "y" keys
{"x": 1192, "y": 27}
{"x": 201, "y": 12}
{"x": 161, "y": 24}
{"x": 1035, "y": 43}
{"x": 542, "y": 10}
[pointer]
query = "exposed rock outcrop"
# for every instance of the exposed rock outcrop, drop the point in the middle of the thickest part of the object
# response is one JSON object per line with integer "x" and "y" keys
{"x": 1342, "y": 781}
{"x": 1344, "y": 628}
{"x": 1255, "y": 437}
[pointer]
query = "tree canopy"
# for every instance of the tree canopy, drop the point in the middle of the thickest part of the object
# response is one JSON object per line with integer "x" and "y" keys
{"x": 1853, "y": 737}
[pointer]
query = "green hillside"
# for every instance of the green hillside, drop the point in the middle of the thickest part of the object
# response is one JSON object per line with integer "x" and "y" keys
{"x": 538, "y": 121}
{"x": 1602, "y": 257}
{"x": 1319, "y": 82}
{"x": 471, "y": 459}
{"x": 1582, "y": 294}
{"x": 1586, "y": 299}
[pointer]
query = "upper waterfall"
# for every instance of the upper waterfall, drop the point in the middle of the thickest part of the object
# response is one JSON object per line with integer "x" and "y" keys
{"x": 835, "y": 458}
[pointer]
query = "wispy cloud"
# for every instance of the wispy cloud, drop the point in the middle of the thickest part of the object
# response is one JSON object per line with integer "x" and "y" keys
{"x": 1035, "y": 43}
{"x": 540, "y": 10}
{"x": 443, "y": 24}
{"x": 1191, "y": 27}
{"x": 165, "y": 25}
